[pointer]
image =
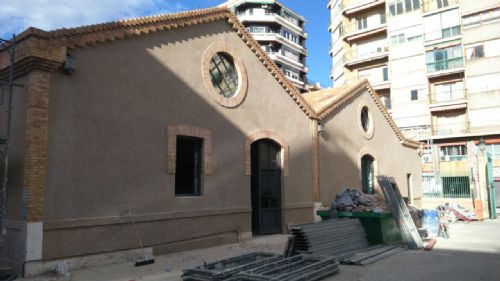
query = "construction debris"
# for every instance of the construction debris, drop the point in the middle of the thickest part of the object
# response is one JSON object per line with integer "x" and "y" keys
{"x": 400, "y": 212}
{"x": 352, "y": 199}
{"x": 430, "y": 244}
{"x": 265, "y": 266}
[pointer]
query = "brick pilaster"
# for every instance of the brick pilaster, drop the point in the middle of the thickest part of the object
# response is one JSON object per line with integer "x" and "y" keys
{"x": 36, "y": 143}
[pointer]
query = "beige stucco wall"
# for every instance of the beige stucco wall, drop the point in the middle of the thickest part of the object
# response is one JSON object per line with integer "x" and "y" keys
{"x": 342, "y": 144}
{"x": 108, "y": 144}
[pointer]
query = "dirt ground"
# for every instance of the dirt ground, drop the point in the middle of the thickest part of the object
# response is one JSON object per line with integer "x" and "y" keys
{"x": 472, "y": 253}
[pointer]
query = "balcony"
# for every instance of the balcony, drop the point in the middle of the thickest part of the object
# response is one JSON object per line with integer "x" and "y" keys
{"x": 354, "y": 57}
{"x": 448, "y": 100}
{"x": 452, "y": 128}
{"x": 358, "y": 6}
{"x": 356, "y": 31}
{"x": 446, "y": 66}
{"x": 416, "y": 132}
{"x": 433, "y": 5}
{"x": 271, "y": 36}
{"x": 282, "y": 57}
{"x": 273, "y": 18}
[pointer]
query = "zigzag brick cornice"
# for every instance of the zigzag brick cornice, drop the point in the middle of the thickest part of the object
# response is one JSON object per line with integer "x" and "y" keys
{"x": 51, "y": 46}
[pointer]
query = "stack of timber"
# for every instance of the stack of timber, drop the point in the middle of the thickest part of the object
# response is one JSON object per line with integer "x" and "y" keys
{"x": 400, "y": 212}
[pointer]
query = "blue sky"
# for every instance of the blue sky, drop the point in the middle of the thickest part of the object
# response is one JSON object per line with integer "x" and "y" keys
{"x": 17, "y": 15}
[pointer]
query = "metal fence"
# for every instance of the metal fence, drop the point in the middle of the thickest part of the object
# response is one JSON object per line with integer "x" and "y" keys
{"x": 447, "y": 185}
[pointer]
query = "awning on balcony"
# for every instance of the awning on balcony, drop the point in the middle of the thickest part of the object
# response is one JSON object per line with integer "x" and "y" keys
{"x": 448, "y": 107}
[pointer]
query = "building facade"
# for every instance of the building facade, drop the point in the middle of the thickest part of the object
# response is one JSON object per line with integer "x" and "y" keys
{"x": 435, "y": 66}
{"x": 281, "y": 33}
{"x": 197, "y": 139}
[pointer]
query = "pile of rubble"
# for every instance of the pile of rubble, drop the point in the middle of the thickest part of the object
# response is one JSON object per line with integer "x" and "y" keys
{"x": 352, "y": 199}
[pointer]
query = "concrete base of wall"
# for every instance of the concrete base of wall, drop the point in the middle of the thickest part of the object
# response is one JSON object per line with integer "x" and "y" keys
{"x": 432, "y": 203}
{"x": 202, "y": 242}
{"x": 34, "y": 268}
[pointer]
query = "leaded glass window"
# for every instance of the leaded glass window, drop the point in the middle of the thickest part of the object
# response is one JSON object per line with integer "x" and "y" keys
{"x": 365, "y": 119}
{"x": 224, "y": 75}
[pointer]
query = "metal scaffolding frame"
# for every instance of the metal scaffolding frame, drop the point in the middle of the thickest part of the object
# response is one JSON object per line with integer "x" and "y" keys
{"x": 8, "y": 46}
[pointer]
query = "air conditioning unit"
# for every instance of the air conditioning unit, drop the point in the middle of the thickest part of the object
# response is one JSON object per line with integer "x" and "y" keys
{"x": 445, "y": 158}
{"x": 379, "y": 49}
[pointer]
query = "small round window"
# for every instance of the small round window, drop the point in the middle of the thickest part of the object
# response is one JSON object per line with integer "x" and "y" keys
{"x": 365, "y": 119}
{"x": 224, "y": 75}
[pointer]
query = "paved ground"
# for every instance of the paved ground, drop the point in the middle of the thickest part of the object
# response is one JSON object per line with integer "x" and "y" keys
{"x": 472, "y": 253}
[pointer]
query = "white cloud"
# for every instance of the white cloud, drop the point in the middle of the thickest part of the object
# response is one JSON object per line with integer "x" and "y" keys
{"x": 17, "y": 15}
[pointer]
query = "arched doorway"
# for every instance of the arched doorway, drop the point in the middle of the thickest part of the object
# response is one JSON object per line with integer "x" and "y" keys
{"x": 367, "y": 174}
{"x": 266, "y": 187}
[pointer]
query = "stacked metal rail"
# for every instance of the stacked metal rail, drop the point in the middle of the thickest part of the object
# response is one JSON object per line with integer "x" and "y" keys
{"x": 372, "y": 255}
{"x": 336, "y": 237}
{"x": 265, "y": 266}
{"x": 296, "y": 268}
{"x": 224, "y": 269}
{"x": 400, "y": 212}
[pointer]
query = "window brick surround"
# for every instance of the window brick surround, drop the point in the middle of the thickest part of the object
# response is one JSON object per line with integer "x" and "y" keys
{"x": 265, "y": 134}
{"x": 190, "y": 131}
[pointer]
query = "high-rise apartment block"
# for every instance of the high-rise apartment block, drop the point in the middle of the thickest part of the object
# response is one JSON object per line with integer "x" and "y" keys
{"x": 280, "y": 32}
{"x": 436, "y": 66}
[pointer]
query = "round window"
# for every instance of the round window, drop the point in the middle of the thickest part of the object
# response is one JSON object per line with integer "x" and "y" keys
{"x": 365, "y": 119}
{"x": 224, "y": 75}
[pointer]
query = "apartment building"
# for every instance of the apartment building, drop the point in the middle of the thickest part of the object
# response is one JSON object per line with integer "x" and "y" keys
{"x": 280, "y": 31}
{"x": 436, "y": 66}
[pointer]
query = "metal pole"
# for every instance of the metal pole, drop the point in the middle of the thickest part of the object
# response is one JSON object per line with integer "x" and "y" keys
{"x": 11, "y": 51}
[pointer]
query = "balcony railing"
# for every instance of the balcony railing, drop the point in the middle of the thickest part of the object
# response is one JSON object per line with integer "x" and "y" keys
{"x": 430, "y": 5}
{"x": 451, "y": 128}
{"x": 355, "y": 54}
{"x": 448, "y": 96}
{"x": 359, "y": 27}
{"x": 445, "y": 64}
{"x": 416, "y": 131}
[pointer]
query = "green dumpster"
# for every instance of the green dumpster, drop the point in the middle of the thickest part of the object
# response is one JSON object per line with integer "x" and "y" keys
{"x": 381, "y": 228}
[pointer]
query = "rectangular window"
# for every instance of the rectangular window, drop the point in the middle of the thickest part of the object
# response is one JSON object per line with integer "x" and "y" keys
{"x": 399, "y": 8}
{"x": 475, "y": 52}
{"x": 416, "y": 4}
{"x": 444, "y": 59}
{"x": 392, "y": 9}
{"x": 414, "y": 94}
{"x": 408, "y": 7}
{"x": 188, "y": 161}
{"x": 453, "y": 152}
{"x": 443, "y": 25}
{"x": 449, "y": 91}
{"x": 442, "y": 3}
{"x": 362, "y": 23}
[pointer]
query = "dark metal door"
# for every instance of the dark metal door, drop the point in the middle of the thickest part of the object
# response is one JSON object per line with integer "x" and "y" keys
{"x": 266, "y": 187}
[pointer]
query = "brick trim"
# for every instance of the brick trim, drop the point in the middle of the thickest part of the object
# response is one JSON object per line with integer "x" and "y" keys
{"x": 35, "y": 161}
{"x": 241, "y": 92}
{"x": 185, "y": 130}
{"x": 266, "y": 134}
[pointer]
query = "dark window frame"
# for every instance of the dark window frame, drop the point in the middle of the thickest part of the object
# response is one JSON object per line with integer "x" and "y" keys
{"x": 414, "y": 95}
{"x": 182, "y": 175}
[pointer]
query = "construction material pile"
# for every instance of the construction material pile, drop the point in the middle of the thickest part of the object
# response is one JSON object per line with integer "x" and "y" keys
{"x": 264, "y": 267}
{"x": 341, "y": 238}
{"x": 352, "y": 199}
{"x": 399, "y": 210}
